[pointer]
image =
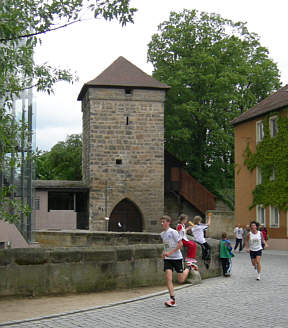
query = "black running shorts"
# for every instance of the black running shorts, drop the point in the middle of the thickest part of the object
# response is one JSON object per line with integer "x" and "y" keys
{"x": 173, "y": 264}
{"x": 253, "y": 254}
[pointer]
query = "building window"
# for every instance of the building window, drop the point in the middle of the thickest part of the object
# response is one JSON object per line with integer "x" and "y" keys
{"x": 260, "y": 214}
{"x": 272, "y": 177}
{"x": 259, "y": 131}
{"x": 273, "y": 126}
{"x": 258, "y": 176}
{"x": 60, "y": 201}
{"x": 37, "y": 204}
{"x": 118, "y": 161}
{"x": 274, "y": 217}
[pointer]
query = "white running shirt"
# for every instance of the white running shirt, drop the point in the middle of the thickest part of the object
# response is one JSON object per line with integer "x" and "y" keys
{"x": 255, "y": 243}
{"x": 238, "y": 232}
{"x": 198, "y": 232}
{"x": 170, "y": 239}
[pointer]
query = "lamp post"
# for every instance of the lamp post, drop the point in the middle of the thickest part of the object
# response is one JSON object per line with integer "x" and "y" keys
{"x": 106, "y": 204}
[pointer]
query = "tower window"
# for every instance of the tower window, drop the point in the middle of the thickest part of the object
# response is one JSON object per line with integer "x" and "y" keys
{"x": 118, "y": 161}
{"x": 127, "y": 120}
{"x": 128, "y": 91}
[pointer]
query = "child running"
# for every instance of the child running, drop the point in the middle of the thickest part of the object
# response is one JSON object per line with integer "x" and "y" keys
{"x": 198, "y": 233}
{"x": 225, "y": 250}
{"x": 173, "y": 258}
{"x": 190, "y": 245}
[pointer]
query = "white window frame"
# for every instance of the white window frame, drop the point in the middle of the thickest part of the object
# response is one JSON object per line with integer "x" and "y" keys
{"x": 261, "y": 218}
{"x": 273, "y": 119}
{"x": 273, "y": 223}
{"x": 272, "y": 177}
{"x": 37, "y": 204}
{"x": 259, "y": 131}
{"x": 258, "y": 176}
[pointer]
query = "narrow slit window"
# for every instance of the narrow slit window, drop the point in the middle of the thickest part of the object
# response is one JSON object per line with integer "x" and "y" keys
{"x": 128, "y": 91}
{"x": 127, "y": 120}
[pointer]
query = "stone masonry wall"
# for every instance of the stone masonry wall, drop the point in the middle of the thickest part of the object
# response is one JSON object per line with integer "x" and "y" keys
{"x": 86, "y": 238}
{"x": 130, "y": 128}
{"x": 35, "y": 272}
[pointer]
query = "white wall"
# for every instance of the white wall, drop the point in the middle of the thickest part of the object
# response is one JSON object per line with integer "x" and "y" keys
{"x": 64, "y": 219}
{"x": 9, "y": 232}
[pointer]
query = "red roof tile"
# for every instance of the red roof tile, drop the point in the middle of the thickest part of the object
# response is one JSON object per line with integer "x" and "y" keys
{"x": 277, "y": 100}
{"x": 122, "y": 73}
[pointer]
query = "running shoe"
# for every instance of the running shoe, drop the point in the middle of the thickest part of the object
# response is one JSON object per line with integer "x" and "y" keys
{"x": 258, "y": 277}
{"x": 170, "y": 303}
{"x": 192, "y": 266}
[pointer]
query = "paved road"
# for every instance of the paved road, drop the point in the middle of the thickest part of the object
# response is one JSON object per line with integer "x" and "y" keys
{"x": 238, "y": 301}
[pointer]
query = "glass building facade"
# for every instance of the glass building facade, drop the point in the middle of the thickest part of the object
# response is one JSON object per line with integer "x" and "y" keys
{"x": 19, "y": 176}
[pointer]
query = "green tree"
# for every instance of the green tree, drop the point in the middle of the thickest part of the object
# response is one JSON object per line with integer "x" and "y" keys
{"x": 62, "y": 162}
{"x": 22, "y": 23}
{"x": 216, "y": 70}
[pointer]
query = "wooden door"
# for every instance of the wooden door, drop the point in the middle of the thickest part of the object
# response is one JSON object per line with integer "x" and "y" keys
{"x": 125, "y": 217}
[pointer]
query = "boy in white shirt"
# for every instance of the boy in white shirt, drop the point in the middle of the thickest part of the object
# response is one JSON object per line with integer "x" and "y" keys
{"x": 173, "y": 258}
{"x": 198, "y": 233}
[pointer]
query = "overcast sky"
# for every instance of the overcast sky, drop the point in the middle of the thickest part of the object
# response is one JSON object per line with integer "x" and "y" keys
{"x": 89, "y": 47}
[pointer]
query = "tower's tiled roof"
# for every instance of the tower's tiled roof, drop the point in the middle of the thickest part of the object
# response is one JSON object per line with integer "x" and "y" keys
{"x": 277, "y": 100}
{"x": 122, "y": 73}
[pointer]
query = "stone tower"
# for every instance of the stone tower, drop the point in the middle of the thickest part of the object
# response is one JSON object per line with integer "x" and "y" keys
{"x": 123, "y": 148}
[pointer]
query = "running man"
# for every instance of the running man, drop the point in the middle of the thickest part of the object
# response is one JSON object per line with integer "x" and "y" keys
{"x": 173, "y": 259}
{"x": 253, "y": 245}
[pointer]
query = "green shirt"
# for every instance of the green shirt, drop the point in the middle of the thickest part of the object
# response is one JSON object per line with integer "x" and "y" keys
{"x": 225, "y": 249}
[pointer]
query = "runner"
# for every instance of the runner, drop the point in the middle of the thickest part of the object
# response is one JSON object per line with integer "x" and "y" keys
{"x": 190, "y": 245}
{"x": 253, "y": 245}
{"x": 173, "y": 258}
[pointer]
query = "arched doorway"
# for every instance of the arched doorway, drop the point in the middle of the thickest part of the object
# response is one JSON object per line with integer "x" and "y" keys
{"x": 125, "y": 217}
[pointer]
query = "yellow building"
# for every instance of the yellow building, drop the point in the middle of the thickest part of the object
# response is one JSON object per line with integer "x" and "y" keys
{"x": 250, "y": 130}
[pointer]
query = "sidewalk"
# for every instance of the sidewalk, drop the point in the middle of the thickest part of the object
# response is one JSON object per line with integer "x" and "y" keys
{"x": 28, "y": 307}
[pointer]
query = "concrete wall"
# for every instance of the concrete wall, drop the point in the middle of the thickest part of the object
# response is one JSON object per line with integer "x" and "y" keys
{"x": 279, "y": 244}
{"x": 139, "y": 144}
{"x": 9, "y": 233}
{"x": 175, "y": 205}
{"x": 65, "y": 219}
{"x": 221, "y": 221}
{"x": 36, "y": 272}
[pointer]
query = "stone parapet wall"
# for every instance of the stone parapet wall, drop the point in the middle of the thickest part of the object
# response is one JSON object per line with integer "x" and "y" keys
{"x": 35, "y": 272}
{"x": 221, "y": 221}
{"x": 84, "y": 238}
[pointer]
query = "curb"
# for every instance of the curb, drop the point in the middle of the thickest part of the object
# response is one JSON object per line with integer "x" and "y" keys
{"x": 131, "y": 300}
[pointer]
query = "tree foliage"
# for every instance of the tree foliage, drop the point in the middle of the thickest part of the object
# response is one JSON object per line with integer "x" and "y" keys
{"x": 217, "y": 69}
{"x": 62, "y": 162}
{"x": 22, "y": 23}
